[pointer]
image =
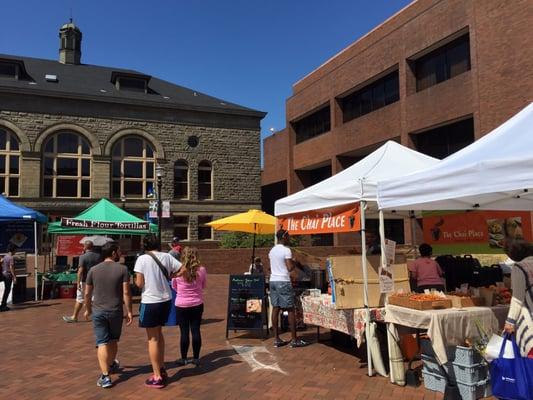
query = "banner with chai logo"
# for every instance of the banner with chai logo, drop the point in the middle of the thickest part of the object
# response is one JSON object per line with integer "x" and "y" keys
{"x": 345, "y": 219}
{"x": 475, "y": 231}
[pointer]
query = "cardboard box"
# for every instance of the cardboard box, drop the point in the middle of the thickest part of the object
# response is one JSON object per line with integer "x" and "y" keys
{"x": 461, "y": 302}
{"x": 348, "y": 275}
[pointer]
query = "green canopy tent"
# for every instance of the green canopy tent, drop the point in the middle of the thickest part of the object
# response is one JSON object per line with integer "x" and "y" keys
{"x": 102, "y": 218}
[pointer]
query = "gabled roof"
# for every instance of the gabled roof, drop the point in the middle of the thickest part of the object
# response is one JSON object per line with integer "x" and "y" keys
{"x": 95, "y": 83}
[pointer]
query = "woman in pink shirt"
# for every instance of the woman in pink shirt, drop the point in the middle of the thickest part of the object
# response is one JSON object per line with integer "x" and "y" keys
{"x": 189, "y": 286}
{"x": 426, "y": 271}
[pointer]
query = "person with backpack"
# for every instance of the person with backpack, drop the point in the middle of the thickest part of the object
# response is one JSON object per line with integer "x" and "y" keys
{"x": 153, "y": 270}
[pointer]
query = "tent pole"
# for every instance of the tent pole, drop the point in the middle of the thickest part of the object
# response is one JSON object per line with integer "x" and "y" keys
{"x": 413, "y": 228}
{"x": 382, "y": 237}
{"x": 36, "y": 264}
{"x": 253, "y": 245}
{"x": 365, "y": 286}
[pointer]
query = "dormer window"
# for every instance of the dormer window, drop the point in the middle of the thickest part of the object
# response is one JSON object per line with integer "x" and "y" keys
{"x": 131, "y": 82}
{"x": 136, "y": 85}
{"x": 13, "y": 69}
{"x": 9, "y": 70}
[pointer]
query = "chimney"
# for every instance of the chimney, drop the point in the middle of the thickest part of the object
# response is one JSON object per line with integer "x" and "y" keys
{"x": 70, "y": 44}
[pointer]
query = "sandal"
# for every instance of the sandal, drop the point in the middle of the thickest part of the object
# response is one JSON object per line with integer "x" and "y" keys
{"x": 279, "y": 343}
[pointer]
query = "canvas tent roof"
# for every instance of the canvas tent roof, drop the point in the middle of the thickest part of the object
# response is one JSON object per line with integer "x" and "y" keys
{"x": 358, "y": 182}
{"x": 493, "y": 173}
{"x": 102, "y": 210}
{"x": 10, "y": 211}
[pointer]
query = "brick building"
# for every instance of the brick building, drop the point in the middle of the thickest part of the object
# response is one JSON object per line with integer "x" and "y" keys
{"x": 72, "y": 133}
{"x": 435, "y": 77}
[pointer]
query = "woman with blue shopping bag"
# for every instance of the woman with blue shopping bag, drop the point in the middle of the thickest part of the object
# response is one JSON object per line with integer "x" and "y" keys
{"x": 512, "y": 378}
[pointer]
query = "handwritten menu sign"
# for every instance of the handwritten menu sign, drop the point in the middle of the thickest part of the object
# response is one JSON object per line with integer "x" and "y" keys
{"x": 246, "y": 303}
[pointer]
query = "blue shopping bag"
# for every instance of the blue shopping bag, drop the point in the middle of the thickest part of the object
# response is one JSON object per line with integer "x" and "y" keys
{"x": 172, "y": 319}
{"x": 509, "y": 376}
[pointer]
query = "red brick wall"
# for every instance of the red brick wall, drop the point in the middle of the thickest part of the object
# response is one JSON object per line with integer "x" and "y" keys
{"x": 237, "y": 261}
{"x": 276, "y": 158}
{"x": 498, "y": 85}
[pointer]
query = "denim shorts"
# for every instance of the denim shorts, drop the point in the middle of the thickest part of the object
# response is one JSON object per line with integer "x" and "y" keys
{"x": 281, "y": 294}
{"x": 107, "y": 326}
{"x": 152, "y": 315}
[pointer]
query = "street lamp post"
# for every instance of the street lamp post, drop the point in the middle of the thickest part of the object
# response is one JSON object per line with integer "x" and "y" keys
{"x": 159, "y": 176}
{"x": 123, "y": 200}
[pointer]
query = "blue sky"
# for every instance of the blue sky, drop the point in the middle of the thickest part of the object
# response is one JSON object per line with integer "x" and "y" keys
{"x": 248, "y": 52}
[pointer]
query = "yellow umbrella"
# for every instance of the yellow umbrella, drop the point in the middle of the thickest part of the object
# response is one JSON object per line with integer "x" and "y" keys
{"x": 252, "y": 221}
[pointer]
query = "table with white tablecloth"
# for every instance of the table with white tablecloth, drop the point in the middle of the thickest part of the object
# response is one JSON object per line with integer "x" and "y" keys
{"x": 448, "y": 327}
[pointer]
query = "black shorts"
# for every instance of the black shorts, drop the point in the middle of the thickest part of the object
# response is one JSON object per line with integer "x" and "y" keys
{"x": 152, "y": 315}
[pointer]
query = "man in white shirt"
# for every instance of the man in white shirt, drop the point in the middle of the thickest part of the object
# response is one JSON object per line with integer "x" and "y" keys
{"x": 153, "y": 271}
{"x": 281, "y": 291}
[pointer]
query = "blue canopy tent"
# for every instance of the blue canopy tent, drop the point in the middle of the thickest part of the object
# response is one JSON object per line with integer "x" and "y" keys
{"x": 10, "y": 211}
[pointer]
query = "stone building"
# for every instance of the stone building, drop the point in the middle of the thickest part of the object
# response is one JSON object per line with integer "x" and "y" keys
{"x": 72, "y": 133}
{"x": 436, "y": 76}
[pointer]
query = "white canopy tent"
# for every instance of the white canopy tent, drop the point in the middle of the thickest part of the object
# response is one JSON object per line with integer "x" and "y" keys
{"x": 493, "y": 173}
{"x": 358, "y": 184}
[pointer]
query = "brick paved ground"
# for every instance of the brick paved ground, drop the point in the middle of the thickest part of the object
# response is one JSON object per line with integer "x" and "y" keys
{"x": 44, "y": 358}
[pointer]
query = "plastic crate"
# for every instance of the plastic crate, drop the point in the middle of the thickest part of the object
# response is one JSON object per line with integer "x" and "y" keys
{"x": 426, "y": 348}
{"x": 470, "y": 374}
{"x": 467, "y": 356}
{"x": 472, "y": 391}
{"x": 432, "y": 366}
{"x": 434, "y": 382}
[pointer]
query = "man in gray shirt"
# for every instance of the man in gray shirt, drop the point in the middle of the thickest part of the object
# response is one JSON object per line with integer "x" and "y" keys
{"x": 107, "y": 287}
{"x": 87, "y": 260}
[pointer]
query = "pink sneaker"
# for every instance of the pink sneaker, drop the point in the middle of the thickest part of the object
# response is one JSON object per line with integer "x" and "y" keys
{"x": 156, "y": 383}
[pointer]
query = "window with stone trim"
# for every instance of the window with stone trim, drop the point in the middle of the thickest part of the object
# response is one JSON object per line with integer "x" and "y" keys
{"x": 133, "y": 168}
{"x": 181, "y": 179}
{"x": 205, "y": 232}
{"x": 67, "y": 166}
{"x": 181, "y": 226}
{"x": 205, "y": 181}
{"x": 9, "y": 164}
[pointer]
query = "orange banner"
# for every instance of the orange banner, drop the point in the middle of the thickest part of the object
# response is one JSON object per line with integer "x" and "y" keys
{"x": 322, "y": 221}
{"x": 489, "y": 227}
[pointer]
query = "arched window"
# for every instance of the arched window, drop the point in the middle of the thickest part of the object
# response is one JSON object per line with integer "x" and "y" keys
{"x": 67, "y": 166}
{"x": 181, "y": 180}
{"x": 205, "y": 181}
{"x": 9, "y": 163}
{"x": 133, "y": 168}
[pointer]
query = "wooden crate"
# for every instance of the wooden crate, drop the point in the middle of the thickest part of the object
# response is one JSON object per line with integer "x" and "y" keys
{"x": 420, "y": 305}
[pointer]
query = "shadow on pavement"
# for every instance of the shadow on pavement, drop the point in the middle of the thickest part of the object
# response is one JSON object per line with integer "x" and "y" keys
{"x": 23, "y": 306}
{"x": 208, "y": 363}
{"x": 212, "y": 320}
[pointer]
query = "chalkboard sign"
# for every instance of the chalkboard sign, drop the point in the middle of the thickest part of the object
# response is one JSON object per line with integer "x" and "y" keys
{"x": 246, "y": 303}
